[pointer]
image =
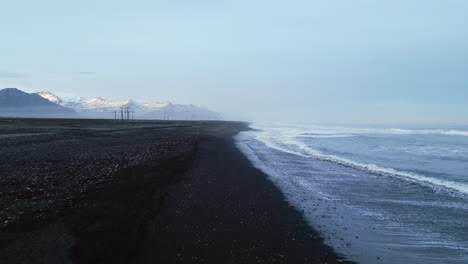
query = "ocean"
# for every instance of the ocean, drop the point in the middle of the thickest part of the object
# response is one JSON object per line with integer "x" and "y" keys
{"x": 375, "y": 194}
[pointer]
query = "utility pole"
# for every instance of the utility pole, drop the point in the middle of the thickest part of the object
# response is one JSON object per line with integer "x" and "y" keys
{"x": 121, "y": 115}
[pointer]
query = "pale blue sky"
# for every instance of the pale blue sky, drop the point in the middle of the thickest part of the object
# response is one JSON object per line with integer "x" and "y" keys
{"x": 304, "y": 60}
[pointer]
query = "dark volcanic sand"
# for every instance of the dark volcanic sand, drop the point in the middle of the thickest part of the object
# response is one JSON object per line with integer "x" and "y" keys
{"x": 88, "y": 191}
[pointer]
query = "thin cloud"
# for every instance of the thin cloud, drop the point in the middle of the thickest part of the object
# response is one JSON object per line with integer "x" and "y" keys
{"x": 85, "y": 73}
{"x": 8, "y": 74}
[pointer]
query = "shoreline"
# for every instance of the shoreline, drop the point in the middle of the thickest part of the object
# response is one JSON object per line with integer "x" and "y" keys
{"x": 194, "y": 198}
{"x": 227, "y": 211}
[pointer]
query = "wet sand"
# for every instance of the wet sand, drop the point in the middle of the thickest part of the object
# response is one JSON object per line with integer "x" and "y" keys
{"x": 88, "y": 191}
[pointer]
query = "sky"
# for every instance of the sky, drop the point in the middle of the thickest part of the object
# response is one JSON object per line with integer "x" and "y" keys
{"x": 297, "y": 61}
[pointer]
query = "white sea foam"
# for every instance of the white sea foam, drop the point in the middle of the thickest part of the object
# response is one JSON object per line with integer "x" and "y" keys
{"x": 339, "y": 215}
{"x": 339, "y": 131}
{"x": 285, "y": 141}
{"x": 422, "y": 131}
{"x": 456, "y": 132}
{"x": 326, "y": 135}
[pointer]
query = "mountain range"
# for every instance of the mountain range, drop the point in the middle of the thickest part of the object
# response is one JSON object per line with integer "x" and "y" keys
{"x": 100, "y": 108}
{"x": 16, "y": 103}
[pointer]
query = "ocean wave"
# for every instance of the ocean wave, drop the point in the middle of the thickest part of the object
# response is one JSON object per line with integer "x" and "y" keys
{"x": 286, "y": 142}
{"x": 337, "y": 131}
{"x": 456, "y": 132}
{"x": 435, "y": 131}
{"x": 313, "y": 135}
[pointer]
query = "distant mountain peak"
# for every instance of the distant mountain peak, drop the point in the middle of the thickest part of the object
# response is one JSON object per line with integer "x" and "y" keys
{"x": 45, "y": 93}
{"x": 95, "y": 99}
{"x": 14, "y": 102}
{"x": 12, "y": 91}
{"x": 50, "y": 96}
{"x": 11, "y": 88}
{"x": 100, "y": 107}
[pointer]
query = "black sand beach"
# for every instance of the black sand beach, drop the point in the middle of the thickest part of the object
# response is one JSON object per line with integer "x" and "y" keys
{"x": 93, "y": 191}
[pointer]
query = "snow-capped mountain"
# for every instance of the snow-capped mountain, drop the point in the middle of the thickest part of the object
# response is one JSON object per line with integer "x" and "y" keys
{"x": 98, "y": 104}
{"x": 51, "y": 97}
{"x": 100, "y": 108}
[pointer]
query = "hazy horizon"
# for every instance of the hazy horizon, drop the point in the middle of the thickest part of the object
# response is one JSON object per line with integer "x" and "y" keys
{"x": 279, "y": 62}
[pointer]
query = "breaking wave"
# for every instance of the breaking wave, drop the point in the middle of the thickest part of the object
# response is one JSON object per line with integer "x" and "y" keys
{"x": 286, "y": 142}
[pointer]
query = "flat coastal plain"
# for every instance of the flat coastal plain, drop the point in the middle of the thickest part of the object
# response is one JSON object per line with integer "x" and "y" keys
{"x": 98, "y": 191}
